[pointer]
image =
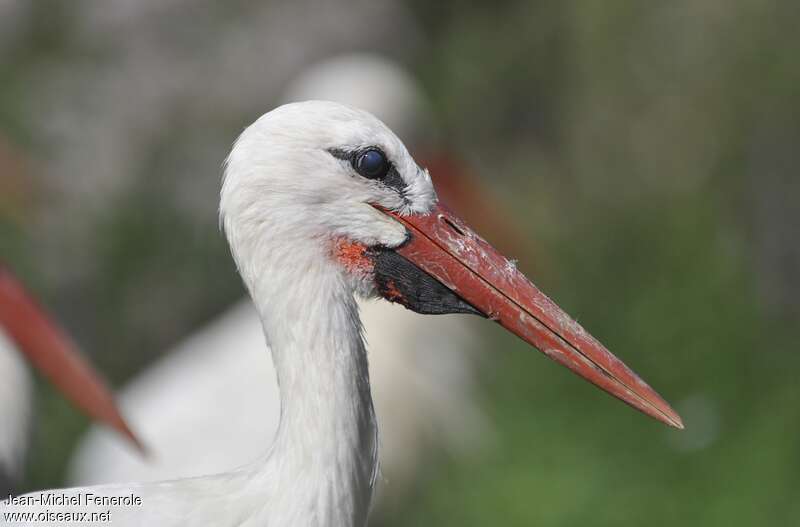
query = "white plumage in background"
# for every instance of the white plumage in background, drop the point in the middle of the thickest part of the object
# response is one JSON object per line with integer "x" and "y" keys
{"x": 195, "y": 408}
{"x": 16, "y": 393}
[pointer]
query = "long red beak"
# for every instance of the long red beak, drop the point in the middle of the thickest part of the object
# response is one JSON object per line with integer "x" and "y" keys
{"x": 52, "y": 352}
{"x": 443, "y": 246}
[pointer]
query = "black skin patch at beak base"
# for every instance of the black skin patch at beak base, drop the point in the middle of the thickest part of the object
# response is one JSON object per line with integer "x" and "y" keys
{"x": 399, "y": 280}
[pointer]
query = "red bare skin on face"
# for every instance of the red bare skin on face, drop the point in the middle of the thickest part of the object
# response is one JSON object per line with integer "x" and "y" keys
{"x": 353, "y": 257}
{"x": 356, "y": 260}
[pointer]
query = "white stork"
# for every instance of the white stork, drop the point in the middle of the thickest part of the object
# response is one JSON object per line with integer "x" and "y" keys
{"x": 321, "y": 202}
{"x": 193, "y": 407}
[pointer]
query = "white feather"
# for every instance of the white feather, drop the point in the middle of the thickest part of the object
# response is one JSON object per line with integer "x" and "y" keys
{"x": 195, "y": 408}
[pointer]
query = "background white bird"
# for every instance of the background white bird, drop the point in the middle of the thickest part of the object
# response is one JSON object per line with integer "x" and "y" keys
{"x": 321, "y": 201}
{"x": 194, "y": 407}
{"x": 16, "y": 393}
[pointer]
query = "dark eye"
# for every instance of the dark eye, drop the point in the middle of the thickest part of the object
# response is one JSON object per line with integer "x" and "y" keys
{"x": 371, "y": 164}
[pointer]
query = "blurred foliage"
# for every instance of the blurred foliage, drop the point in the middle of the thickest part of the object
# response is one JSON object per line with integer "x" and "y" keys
{"x": 629, "y": 125}
{"x": 633, "y": 139}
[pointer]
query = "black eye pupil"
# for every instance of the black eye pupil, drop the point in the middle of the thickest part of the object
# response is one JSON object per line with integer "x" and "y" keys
{"x": 372, "y": 164}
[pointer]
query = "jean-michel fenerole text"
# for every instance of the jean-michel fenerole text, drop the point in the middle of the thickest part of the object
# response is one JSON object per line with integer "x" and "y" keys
{"x": 80, "y": 499}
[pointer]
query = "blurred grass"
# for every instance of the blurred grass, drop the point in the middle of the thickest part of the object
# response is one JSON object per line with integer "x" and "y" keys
{"x": 682, "y": 313}
{"x": 630, "y": 135}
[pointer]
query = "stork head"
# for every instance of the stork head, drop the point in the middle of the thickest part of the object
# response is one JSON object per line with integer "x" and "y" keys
{"x": 306, "y": 179}
{"x": 320, "y": 183}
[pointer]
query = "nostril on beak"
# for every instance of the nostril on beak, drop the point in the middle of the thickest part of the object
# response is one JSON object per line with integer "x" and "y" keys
{"x": 452, "y": 225}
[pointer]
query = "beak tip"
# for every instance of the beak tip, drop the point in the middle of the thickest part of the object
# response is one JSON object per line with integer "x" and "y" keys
{"x": 108, "y": 414}
{"x": 125, "y": 430}
{"x": 677, "y": 422}
{"x": 666, "y": 415}
{"x": 663, "y": 411}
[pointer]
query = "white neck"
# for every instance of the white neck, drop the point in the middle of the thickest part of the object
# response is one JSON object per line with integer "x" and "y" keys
{"x": 322, "y": 466}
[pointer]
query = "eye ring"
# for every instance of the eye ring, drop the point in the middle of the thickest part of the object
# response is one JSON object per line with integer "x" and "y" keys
{"x": 371, "y": 164}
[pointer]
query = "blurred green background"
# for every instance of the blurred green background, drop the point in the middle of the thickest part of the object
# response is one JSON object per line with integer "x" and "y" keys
{"x": 648, "y": 151}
